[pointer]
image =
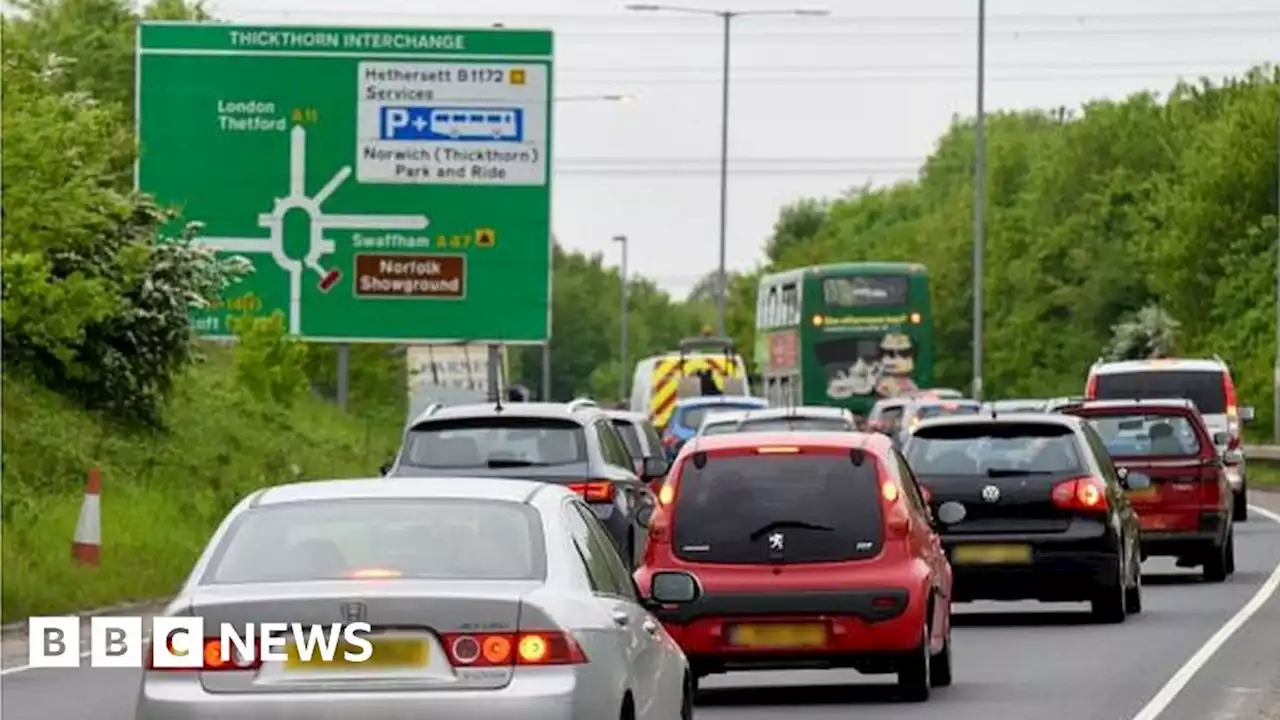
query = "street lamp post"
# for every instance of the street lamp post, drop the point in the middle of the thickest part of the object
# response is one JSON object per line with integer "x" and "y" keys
{"x": 726, "y": 17}
{"x": 546, "y": 346}
{"x": 622, "y": 373}
{"x": 979, "y": 201}
{"x": 1275, "y": 417}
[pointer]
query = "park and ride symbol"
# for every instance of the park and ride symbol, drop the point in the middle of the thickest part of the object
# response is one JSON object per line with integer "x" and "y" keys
{"x": 319, "y": 245}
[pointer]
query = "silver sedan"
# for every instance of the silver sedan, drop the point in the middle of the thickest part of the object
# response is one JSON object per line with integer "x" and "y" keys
{"x": 487, "y": 599}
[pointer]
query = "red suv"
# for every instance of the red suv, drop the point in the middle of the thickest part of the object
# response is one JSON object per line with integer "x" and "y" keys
{"x": 1186, "y": 507}
{"x": 813, "y": 550}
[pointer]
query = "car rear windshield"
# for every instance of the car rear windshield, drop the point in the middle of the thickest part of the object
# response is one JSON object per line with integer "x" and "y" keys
{"x": 693, "y": 417}
{"x": 629, "y": 436}
{"x": 1141, "y": 435}
{"x": 946, "y": 409}
{"x": 1202, "y": 387}
{"x": 819, "y": 508}
{"x": 720, "y": 428}
{"x": 991, "y": 448}
{"x": 353, "y": 539}
{"x": 795, "y": 424}
{"x": 495, "y": 442}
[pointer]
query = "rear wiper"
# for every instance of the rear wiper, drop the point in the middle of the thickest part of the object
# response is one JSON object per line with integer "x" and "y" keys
{"x": 1014, "y": 472}
{"x": 795, "y": 524}
{"x": 512, "y": 463}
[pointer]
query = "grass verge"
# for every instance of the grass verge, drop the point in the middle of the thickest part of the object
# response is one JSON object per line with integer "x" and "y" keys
{"x": 1264, "y": 474}
{"x": 163, "y": 493}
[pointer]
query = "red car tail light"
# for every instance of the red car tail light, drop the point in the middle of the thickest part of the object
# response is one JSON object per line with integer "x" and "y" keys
{"x": 212, "y": 655}
{"x": 526, "y": 647}
{"x": 1082, "y": 494}
{"x": 1091, "y": 388}
{"x": 596, "y": 491}
{"x": 1233, "y": 412}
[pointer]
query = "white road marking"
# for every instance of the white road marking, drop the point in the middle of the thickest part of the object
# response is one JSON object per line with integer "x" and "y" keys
{"x": 23, "y": 668}
{"x": 1169, "y": 692}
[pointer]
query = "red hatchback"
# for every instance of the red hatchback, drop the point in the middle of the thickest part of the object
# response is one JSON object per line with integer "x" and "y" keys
{"x": 813, "y": 550}
{"x": 1185, "y": 504}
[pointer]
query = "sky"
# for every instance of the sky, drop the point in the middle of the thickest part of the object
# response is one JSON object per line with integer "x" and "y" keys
{"x": 817, "y": 105}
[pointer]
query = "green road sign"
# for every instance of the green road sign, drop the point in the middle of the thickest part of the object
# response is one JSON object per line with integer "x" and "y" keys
{"x": 388, "y": 185}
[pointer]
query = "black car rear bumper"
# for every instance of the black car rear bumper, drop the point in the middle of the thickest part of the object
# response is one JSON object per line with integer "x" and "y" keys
{"x": 1064, "y": 567}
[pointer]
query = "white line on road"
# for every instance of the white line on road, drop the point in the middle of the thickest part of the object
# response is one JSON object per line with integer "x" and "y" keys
{"x": 23, "y": 668}
{"x": 1169, "y": 692}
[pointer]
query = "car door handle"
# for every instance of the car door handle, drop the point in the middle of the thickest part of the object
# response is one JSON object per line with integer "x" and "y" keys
{"x": 621, "y": 619}
{"x": 650, "y": 627}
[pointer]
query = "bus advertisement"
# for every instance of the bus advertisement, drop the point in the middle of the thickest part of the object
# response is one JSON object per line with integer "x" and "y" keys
{"x": 845, "y": 334}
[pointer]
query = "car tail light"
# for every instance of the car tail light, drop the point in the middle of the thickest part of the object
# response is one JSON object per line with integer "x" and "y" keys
{"x": 1082, "y": 494}
{"x": 527, "y": 647}
{"x": 1091, "y": 388}
{"x": 1233, "y": 411}
{"x": 212, "y": 653}
{"x": 595, "y": 491}
{"x": 889, "y": 491}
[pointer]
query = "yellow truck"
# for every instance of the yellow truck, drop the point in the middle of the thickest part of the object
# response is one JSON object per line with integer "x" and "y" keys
{"x": 701, "y": 366}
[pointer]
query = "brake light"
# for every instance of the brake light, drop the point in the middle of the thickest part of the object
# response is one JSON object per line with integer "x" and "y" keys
{"x": 1233, "y": 412}
{"x": 1091, "y": 388}
{"x": 777, "y": 451}
{"x": 1082, "y": 494}
{"x": 889, "y": 491}
{"x": 507, "y": 649}
{"x": 596, "y": 491}
{"x": 374, "y": 574}
{"x": 667, "y": 494}
{"x": 212, "y": 655}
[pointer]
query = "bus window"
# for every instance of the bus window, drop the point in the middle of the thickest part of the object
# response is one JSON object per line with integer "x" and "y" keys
{"x": 866, "y": 291}
{"x": 790, "y": 304}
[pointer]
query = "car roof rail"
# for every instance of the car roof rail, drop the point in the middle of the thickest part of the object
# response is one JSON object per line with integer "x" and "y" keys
{"x": 582, "y": 402}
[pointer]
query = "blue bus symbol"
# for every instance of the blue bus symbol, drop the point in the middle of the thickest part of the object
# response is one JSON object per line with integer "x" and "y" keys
{"x": 468, "y": 124}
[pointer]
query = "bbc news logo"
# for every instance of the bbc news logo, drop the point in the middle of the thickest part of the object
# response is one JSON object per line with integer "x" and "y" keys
{"x": 182, "y": 643}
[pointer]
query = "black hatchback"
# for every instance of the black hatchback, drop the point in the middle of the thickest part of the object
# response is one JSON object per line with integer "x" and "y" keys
{"x": 576, "y": 446}
{"x": 1030, "y": 507}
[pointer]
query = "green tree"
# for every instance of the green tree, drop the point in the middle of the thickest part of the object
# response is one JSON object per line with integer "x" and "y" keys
{"x": 586, "y": 327}
{"x": 1092, "y": 216}
{"x": 96, "y": 302}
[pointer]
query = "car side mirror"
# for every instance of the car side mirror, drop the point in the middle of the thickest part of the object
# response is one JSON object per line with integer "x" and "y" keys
{"x": 1234, "y": 456}
{"x": 1221, "y": 438}
{"x": 1246, "y": 414}
{"x": 674, "y": 588}
{"x": 653, "y": 468}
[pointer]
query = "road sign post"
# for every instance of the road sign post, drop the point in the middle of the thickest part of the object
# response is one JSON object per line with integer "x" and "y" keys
{"x": 388, "y": 185}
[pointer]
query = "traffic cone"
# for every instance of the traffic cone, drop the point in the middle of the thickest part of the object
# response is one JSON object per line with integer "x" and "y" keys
{"x": 88, "y": 539}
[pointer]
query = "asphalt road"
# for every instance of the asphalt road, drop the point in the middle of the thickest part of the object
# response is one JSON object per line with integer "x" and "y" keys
{"x": 1011, "y": 661}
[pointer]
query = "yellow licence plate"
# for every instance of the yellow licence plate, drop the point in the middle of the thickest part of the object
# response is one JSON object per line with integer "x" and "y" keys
{"x": 778, "y": 635}
{"x": 387, "y": 653}
{"x": 991, "y": 555}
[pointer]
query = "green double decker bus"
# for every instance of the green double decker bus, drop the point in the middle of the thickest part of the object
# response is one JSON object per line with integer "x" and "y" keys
{"x": 844, "y": 335}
